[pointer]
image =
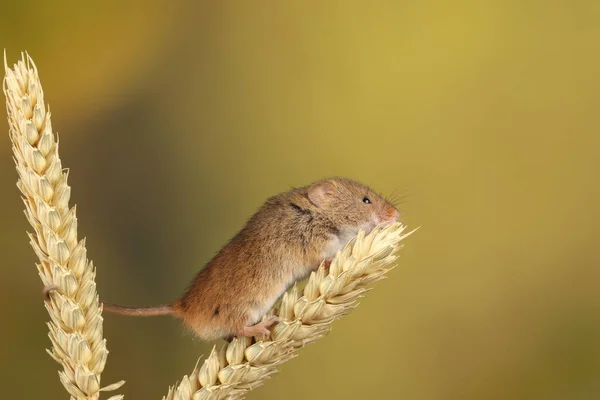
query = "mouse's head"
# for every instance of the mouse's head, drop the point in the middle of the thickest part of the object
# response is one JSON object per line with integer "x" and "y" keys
{"x": 348, "y": 203}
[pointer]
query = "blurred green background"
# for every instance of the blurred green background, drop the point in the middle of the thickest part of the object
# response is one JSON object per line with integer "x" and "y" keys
{"x": 178, "y": 118}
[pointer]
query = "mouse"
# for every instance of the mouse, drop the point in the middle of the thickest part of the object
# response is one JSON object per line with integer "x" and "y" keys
{"x": 289, "y": 236}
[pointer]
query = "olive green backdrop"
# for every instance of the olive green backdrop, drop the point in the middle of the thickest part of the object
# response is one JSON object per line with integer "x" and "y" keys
{"x": 177, "y": 119}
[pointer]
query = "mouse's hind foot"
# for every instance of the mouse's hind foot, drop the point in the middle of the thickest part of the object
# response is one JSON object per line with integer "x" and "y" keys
{"x": 260, "y": 328}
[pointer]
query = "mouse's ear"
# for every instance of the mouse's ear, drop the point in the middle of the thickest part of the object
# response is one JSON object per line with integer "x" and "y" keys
{"x": 320, "y": 193}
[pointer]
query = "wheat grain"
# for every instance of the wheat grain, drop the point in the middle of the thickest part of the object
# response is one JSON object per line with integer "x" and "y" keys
{"x": 76, "y": 321}
{"x": 306, "y": 316}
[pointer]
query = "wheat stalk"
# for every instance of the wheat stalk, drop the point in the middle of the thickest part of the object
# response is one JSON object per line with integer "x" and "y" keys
{"x": 76, "y": 320}
{"x": 306, "y": 315}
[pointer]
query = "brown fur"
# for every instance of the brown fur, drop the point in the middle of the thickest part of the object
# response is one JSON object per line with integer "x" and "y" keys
{"x": 282, "y": 242}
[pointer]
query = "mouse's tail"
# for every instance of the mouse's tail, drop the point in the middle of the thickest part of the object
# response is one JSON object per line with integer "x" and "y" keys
{"x": 166, "y": 309}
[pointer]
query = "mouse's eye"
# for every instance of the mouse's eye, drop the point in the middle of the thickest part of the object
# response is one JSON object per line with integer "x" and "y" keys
{"x": 366, "y": 200}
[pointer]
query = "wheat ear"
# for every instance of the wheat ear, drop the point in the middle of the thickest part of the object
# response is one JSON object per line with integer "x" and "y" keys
{"x": 75, "y": 314}
{"x": 306, "y": 315}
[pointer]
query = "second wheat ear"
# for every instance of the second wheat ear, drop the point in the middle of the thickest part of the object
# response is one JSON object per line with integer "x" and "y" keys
{"x": 317, "y": 216}
{"x": 306, "y": 316}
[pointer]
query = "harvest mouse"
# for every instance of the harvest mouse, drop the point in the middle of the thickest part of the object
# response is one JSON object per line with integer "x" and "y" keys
{"x": 286, "y": 239}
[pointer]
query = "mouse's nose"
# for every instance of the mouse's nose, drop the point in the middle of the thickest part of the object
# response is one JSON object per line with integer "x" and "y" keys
{"x": 391, "y": 215}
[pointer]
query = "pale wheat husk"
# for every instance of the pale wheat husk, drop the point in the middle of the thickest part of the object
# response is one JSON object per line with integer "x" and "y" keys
{"x": 75, "y": 315}
{"x": 306, "y": 315}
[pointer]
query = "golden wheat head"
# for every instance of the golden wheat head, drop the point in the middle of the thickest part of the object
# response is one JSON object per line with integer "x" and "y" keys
{"x": 75, "y": 316}
{"x": 306, "y": 315}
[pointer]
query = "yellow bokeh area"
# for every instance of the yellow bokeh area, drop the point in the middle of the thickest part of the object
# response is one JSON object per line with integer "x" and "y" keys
{"x": 178, "y": 119}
